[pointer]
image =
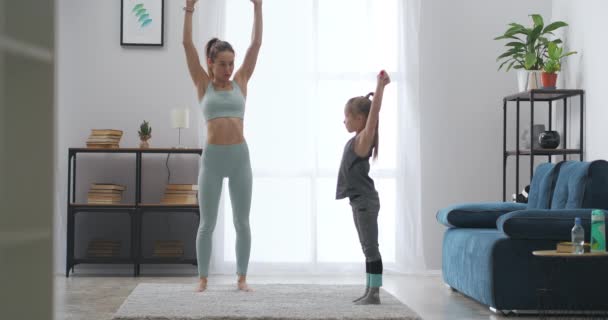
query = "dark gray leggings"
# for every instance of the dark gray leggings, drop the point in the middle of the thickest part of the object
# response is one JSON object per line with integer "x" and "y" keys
{"x": 365, "y": 214}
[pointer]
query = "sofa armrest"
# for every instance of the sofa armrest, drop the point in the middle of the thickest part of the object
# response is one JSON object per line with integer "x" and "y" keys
{"x": 545, "y": 224}
{"x": 476, "y": 215}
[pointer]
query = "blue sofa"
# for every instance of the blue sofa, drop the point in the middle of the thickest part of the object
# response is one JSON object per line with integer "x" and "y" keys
{"x": 487, "y": 248}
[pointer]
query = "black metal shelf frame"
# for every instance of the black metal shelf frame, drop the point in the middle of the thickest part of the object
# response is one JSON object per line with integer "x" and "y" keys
{"x": 135, "y": 210}
{"x": 532, "y": 96}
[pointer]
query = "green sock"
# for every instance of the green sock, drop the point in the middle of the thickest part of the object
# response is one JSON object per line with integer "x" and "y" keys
{"x": 367, "y": 279}
{"x": 375, "y": 280}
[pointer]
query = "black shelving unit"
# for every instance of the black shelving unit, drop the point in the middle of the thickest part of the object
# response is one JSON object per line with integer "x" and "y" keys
{"x": 533, "y": 96}
{"x": 135, "y": 210}
{"x": 149, "y": 208}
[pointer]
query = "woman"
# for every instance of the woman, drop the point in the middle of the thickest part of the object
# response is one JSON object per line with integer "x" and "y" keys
{"x": 226, "y": 153}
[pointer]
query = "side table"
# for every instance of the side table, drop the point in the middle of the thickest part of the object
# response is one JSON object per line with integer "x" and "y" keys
{"x": 557, "y": 263}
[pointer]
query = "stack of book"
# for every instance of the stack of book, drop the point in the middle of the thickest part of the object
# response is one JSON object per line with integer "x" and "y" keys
{"x": 105, "y": 193}
{"x": 104, "y": 138}
{"x": 168, "y": 249}
{"x": 103, "y": 249}
{"x": 180, "y": 194}
{"x": 568, "y": 247}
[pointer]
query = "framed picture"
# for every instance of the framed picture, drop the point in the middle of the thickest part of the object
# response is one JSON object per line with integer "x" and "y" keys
{"x": 141, "y": 22}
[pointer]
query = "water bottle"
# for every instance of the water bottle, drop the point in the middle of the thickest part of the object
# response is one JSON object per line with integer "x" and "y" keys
{"x": 598, "y": 231}
{"x": 578, "y": 237}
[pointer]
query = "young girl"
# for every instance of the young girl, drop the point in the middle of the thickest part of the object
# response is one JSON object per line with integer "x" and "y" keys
{"x": 361, "y": 117}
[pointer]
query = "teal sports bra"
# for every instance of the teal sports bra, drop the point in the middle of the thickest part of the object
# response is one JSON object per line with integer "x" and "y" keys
{"x": 223, "y": 104}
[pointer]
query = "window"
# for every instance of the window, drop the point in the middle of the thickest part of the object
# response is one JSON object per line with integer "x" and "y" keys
{"x": 315, "y": 56}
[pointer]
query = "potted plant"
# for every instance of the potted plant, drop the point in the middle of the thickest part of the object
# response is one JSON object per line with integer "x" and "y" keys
{"x": 526, "y": 50}
{"x": 145, "y": 133}
{"x": 553, "y": 64}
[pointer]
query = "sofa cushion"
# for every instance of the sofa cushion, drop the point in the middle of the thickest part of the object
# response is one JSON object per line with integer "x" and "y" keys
{"x": 570, "y": 185}
{"x": 542, "y": 185}
{"x": 543, "y": 224}
{"x": 596, "y": 191}
{"x": 476, "y": 215}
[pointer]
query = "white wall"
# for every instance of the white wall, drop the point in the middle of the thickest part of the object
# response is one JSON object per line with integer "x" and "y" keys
{"x": 461, "y": 104}
{"x": 586, "y": 69}
{"x": 103, "y": 85}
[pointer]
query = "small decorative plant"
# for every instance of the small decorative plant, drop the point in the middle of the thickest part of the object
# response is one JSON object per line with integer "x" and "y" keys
{"x": 552, "y": 64}
{"x": 145, "y": 133}
{"x": 554, "y": 56}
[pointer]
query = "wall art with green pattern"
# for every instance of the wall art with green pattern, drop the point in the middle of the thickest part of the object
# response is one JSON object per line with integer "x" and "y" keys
{"x": 141, "y": 22}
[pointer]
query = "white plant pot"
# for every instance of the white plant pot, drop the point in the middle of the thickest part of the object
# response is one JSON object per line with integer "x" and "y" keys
{"x": 528, "y": 80}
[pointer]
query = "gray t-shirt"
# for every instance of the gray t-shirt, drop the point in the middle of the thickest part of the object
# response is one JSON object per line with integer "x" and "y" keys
{"x": 353, "y": 177}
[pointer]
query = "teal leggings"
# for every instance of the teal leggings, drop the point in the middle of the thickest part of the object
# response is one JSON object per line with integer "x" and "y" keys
{"x": 219, "y": 162}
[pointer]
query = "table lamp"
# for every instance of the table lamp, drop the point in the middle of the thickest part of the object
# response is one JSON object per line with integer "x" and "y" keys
{"x": 180, "y": 119}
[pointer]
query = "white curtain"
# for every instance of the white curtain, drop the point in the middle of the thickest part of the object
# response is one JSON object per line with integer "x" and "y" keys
{"x": 315, "y": 56}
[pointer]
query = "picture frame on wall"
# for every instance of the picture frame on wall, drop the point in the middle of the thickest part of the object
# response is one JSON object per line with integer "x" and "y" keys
{"x": 142, "y": 22}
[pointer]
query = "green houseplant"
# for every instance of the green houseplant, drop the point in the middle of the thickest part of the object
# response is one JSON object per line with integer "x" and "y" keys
{"x": 145, "y": 133}
{"x": 527, "y": 48}
{"x": 552, "y": 64}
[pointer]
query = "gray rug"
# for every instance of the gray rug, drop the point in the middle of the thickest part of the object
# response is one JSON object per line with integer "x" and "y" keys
{"x": 153, "y": 301}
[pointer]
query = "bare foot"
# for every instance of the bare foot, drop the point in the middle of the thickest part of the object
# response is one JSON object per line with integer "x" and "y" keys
{"x": 242, "y": 284}
{"x": 202, "y": 285}
{"x": 244, "y": 287}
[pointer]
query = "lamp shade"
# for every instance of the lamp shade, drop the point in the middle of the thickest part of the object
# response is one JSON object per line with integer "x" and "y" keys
{"x": 180, "y": 118}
